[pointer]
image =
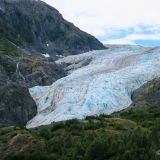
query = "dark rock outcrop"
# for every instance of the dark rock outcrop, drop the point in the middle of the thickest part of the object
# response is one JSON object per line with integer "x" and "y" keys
{"x": 40, "y": 28}
{"x": 148, "y": 95}
{"x": 16, "y": 105}
{"x": 30, "y": 70}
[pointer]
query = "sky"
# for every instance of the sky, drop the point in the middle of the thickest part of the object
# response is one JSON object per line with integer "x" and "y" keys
{"x": 114, "y": 21}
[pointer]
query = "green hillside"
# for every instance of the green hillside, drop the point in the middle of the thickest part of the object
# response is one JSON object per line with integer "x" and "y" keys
{"x": 131, "y": 135}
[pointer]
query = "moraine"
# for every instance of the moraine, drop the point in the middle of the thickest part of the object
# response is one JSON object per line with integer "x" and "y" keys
{"x": 99, "y": 82}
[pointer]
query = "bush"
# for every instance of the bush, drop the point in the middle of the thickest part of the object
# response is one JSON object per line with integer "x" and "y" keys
{"x": 137, "y": 138}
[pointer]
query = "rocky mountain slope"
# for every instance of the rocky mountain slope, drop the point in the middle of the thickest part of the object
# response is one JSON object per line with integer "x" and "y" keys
{"x": 16, "y": 105}
{"x": 32, "y": 35}
{"x": 40, "y": 28}
{"x": 147, "y": 95}
{"x": 18, "y": 72}
{"x": 99, "y": 82}
{"x": 25, "y": 68}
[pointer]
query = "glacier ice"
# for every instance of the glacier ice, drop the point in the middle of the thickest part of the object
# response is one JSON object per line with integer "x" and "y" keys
{"x": 101, "y": 85}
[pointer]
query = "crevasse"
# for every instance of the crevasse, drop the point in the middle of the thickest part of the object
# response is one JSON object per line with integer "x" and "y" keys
{"x": 103, "y": 85}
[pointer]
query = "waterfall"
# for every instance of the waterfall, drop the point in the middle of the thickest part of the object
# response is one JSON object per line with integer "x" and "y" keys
{"x": 17, "y": 68}
{"x": 18, "y": 71}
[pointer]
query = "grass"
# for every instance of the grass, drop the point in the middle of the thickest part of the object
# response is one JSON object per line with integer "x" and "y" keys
{"x": 8, "y": 48}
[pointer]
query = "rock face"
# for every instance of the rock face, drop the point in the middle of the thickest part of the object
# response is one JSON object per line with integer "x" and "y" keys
{"x": 147, "y": 95}
{"x": 32, "y": 35}
{"x": 18, "y": 71}
{"x": 26, "y": 68}
{"x": 102, "y": 85}
{"x": 29, "y": 70}
{"x": 16, "y": 105}
{"x": 40, "y": 28}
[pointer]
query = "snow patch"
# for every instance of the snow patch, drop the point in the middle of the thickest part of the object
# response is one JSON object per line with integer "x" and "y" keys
{"x": 46, "y": 55}
{"x": 60, "y": 56}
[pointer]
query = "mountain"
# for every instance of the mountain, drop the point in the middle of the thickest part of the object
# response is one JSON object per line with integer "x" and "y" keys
{"x": 27, "y": 69}
{"x": 18, "y": 72}
{"x": 32, "y": 35}
{"x": 102, "y": 104}
{"x": 16, "y": 105}
{"x": 39, "y": 28}
{"x": 147, "y": 95}
{"x": 98, "y": 82}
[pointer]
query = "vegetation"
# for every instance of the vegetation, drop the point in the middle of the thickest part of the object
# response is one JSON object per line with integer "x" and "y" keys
{"x": 11, "y": 50}
{"x": 131, "y": 135}
{"x": 8, "y": 48}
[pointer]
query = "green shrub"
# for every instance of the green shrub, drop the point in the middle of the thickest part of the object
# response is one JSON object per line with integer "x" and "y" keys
{"x": 131, "y": 135}
{"x": 8, "y": 48}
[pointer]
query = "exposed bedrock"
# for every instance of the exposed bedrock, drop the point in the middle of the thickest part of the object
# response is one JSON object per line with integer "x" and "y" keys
{"x": 147, "y": 95}
{"x": 16, "y": 105}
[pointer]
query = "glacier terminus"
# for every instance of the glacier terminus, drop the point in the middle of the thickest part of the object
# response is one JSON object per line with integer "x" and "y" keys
{"x": 98, "y": 82}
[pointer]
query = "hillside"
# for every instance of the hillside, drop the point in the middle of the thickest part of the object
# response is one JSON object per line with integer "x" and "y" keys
{"x": 131, "y": 135}
{"x": 39, "y": 28}
{"x": 30, "y": 30}
{"x": 18, "y": 71}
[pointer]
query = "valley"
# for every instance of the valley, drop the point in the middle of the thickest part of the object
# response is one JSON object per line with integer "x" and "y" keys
{"x": 104, "y": 85}
{"x": 66, "y": 96}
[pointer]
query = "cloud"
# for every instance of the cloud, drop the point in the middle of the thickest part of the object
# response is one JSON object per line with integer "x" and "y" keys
{"x": 129, "y": 39}
{"x": 119, "y": 41}
{"x": 106, "y": 18}
{"x": 143, "y": 36}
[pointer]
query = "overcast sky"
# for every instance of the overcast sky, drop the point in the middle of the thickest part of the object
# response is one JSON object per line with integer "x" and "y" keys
{"x": 114, "y": 21}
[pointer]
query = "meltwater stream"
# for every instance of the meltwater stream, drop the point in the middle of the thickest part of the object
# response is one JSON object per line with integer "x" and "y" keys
{"x": 99, "y": 82}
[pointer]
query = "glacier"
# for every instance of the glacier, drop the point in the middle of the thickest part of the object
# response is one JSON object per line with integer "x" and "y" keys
{"x": 98, "y": 82}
